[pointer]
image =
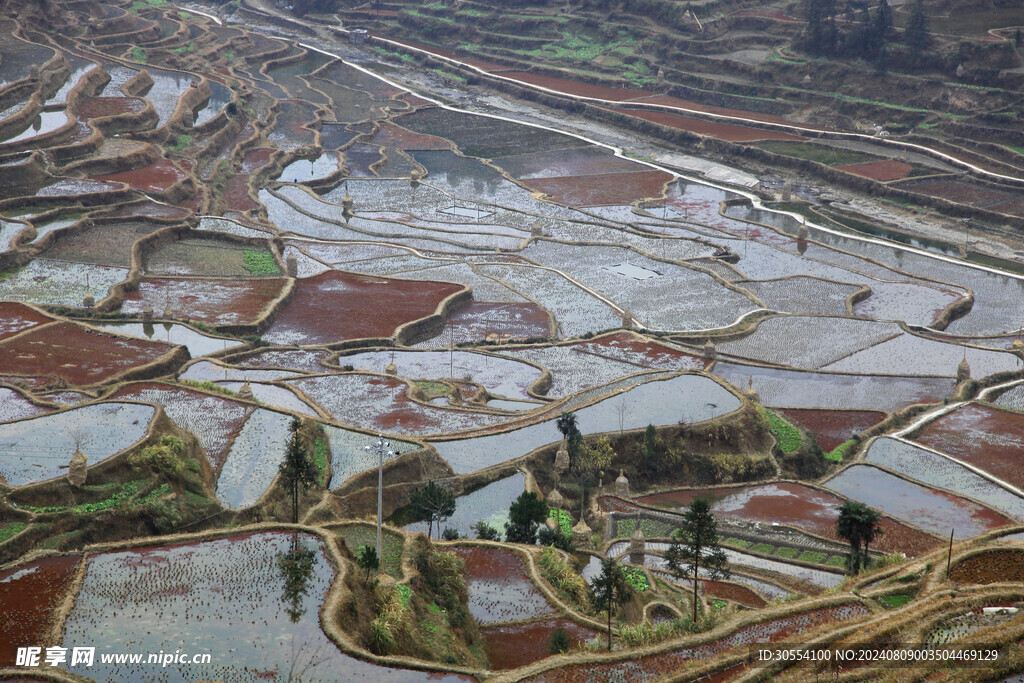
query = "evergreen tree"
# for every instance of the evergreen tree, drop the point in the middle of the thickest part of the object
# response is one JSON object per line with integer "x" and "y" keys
{"x": 610, "y": 590}
{"x": 566, "y": 424}
{"x": 367, "y": 560}
{"x": 298, "y": 471}
{"x": 695, "y": 546}
{"x": 526, "y": 513}
{"x": 917, "y": 36}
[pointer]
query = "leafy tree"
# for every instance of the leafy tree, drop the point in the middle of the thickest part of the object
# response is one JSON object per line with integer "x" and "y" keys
{"x": 298, "y": 471}
{"x": 695, "y": 546}
{"x": 435, "y": 502}
{"x": 367, "y": 560}
{"x": 610, "y": 590}
{"x": 450, "y": 533}
{"x": 859, "y": 525}
{"x": 486, "y": 532}
{"x": 916, "y": 34}
{"x": 570, "y": 430}
{"x": 526, "y": 513}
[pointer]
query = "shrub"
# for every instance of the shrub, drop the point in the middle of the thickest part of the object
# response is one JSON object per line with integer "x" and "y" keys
{"x": 556, "y": 571}
{"x": 486, "y": 532}
{"x": 559, "y": 641}
{"x": 450, "y": 534}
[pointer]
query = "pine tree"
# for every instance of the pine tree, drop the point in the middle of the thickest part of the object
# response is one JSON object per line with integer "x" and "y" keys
{"x": 298, "y": 471}
{"x": 610, "y": 589}
{"x": 695, "y": 546}
{"x": 917, "y": 35}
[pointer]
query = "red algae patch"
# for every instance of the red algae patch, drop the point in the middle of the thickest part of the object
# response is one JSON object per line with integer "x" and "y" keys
{"x": 335, "y": 306}
{"x": 157, "y": 177}
{"x": 721, "y": 131}
{"x": 15, "y": 318}
{"x": 833, "y": 427}
{"x": 878, "y": 170}
{"x": 29, "y": 595}
{"x": 731, "y": 591}
{"x": 76, "y": 354}
{"x": 980, "y": 435}
{"x": 602, "y": 189}
{"x": 212, "y": 301}
{"x": 512, "y": 646}
{"x": 99, "y": 107}
{"x": 499, "y": 588}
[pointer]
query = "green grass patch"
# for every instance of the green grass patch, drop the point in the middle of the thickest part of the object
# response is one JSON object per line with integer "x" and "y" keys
{"x": 563, "y": 519}
{"x": 1018, "y": 150}
{"x": 433, "y": 389}
{"x": 787, "y": 552}
{"x": 186, "y": 16}
{"x": 650, "y": 528}
{"x": 10, "y": 530}
{"x": 894, "y": 601}
{"x": 357, "y": 535}
{"x": 839, "y": 451}
{"x": 209, "y": 386}
{"x": 719, "y": 605}
{"x": 260, "y": 263}
{"x": 837, "y": 561}
{"x": 320, "y": 458}
{"x": 405, "y": 593}
{"x": 158, "y": 492}
{"x": 738, "y": 542}
{"x": 181, "y": 141}
{"x": 819, "y": 153}
{"x": 789, "y": 436}
{"x": 139, "y": 53}
{"x": 815, "y": 556}
{"x": 184, "y": 49}
{"x": 54, "y": 542}
{"x": 766, "y": 548}
{"x": 125, "y": 493}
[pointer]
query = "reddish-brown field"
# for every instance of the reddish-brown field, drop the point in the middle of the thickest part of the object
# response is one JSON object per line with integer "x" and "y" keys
{"x": 983, "y": 436}
{"x": 630, "y": 348}
{"x": 566, "y": 162}
{"x": 721, "y": 131}
{"x": 697, "y": 106}
{"x": 957, "y": 191}
{"x": 76, "y": 354}
{"x": 602, "y": 189}
{"x": 214, "y": 302}
{"x": 478, "y": 321}
{"x": 659, "y": 665}
{"x": 509, "y": 647}
{"x": 888, "y": 169}
{"x": 29, "y": 596}
{"x": 833, "y": 427}
{"x": 359, "y": 306}
{"x": 991, "y": 567}
{"x": 563, "y": 85}
{"x": 390, "y": 135}
{"x": 15, "y": 318}
{"x": 236, "y": 193}
{"x": 731, "y": 591}
{"x": 156, "y": 177}
{"x": 98, "y": 107}
{"x": 798, "y": 505}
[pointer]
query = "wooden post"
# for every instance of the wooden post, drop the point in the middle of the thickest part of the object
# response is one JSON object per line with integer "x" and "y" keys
{"x": 949, "y": 558}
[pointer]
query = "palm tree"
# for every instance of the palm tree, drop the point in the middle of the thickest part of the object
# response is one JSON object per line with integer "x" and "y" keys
{"x": 567, "y": 425}
{"x": 857, "y": 524}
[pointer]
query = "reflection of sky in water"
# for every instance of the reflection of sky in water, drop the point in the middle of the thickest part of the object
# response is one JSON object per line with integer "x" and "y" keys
{"x": 198, "y": 344}
{"x": 488, "y": 504}
{"x": 223, "y": 597}
{"x": 219, "y": 97}
{"x": 309, "y": 169}
{"x": 688, "y": 397}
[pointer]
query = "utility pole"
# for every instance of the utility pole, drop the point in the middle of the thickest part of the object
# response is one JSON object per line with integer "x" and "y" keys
{"x": 380, "y": 448}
